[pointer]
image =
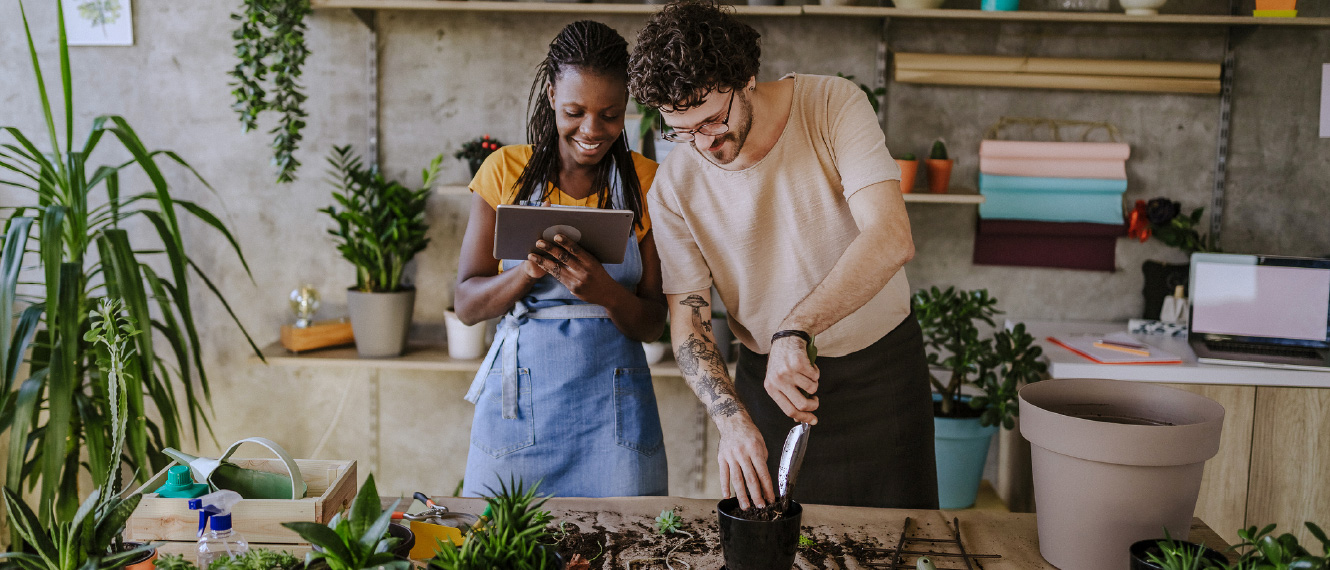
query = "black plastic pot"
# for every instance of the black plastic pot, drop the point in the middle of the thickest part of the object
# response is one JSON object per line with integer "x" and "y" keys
{"x": 1141, "y": 550}
{"x": 758, "y": 545}
{"x": 403, "y": 549}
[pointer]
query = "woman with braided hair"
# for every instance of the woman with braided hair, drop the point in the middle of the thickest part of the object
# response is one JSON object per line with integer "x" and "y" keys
{"x": 564, "y": 396}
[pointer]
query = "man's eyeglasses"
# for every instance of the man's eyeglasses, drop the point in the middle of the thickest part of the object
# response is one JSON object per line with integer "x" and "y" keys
{"x": 706, "y": 129}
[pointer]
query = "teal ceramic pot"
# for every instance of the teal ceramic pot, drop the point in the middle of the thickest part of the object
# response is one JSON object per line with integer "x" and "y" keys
{"x": 999, "y": 5}
{"x": 961, "y": 447}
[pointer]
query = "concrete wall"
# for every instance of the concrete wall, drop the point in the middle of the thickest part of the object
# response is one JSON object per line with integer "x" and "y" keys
{"x": 448, "y": 77}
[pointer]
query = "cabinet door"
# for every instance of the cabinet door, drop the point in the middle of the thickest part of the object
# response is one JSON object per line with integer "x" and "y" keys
{"x": 1290, "y": 460}
{"x": 1223, "y": 500}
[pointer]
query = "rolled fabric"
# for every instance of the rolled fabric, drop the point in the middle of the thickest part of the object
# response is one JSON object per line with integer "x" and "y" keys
{"x": 1067, "y": 150}
{"x": 1091, "y": 200}
{"x": 1047, "y": 244}
{"x": 1054, "y": 167}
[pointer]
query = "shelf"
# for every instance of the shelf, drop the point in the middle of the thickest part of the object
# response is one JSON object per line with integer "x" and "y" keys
{"x": 417, "y": 358}
{"x": 1064, "y": 17}
{"x": 920, "y": 198}
{"x": 834, "y": 11}
{"x": 533, "y": 7}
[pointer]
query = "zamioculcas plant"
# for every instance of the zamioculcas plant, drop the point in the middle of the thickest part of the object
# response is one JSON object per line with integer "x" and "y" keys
{"x": 70, "y": 236}
{"x": 380, "y": 223}
{"x": 90, "y": 539}
{"x": 359, "y": 539}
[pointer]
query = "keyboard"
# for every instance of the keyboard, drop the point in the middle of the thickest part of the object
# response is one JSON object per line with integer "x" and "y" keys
{"x": 1263, "y": 349}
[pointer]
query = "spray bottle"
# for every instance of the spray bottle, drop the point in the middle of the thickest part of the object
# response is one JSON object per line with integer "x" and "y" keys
{"x": 221, "y": 540}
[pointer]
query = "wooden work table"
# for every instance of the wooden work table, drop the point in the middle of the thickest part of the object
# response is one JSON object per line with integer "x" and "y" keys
{"x": 630, "y": 521}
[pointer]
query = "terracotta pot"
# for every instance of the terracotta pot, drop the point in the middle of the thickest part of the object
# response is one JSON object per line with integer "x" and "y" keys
{"x": 939, "y": 174}
{"x": 909, "y": 168}
{"x": 143, "y": 561}
{"x": 1276, "y": 4}
{"x": 1115, "y": 462}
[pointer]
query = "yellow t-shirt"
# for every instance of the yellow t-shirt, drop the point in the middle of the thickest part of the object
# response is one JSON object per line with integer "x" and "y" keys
{"x": 495, "y": 179}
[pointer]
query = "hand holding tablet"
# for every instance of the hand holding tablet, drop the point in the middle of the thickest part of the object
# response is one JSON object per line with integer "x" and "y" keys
{"x": 602, "y": 233}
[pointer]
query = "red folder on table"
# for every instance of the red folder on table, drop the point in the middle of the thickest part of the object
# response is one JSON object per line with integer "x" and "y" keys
{"x": 1084, "y": 346}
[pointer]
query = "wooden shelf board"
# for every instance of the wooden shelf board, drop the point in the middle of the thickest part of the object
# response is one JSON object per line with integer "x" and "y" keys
{"x": 533, "y": 7}
{"x": 818, "y": 10}
{"x": 418, "y": 357}
{"x": 925, "y": 198}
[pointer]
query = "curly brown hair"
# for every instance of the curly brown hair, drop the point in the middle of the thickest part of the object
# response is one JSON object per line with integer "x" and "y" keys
{"x": 688, "y": 49}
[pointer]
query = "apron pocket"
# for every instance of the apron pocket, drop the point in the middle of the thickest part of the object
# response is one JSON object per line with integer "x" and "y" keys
{"x": 492, "y": 433}
{"x": 636, "y": 419}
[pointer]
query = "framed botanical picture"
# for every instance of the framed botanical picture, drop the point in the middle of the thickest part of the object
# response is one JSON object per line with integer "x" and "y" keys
{"x": 99, "y": 22}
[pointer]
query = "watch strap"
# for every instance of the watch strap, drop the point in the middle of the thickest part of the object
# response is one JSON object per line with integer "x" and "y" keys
{"x": 792, "y": 332}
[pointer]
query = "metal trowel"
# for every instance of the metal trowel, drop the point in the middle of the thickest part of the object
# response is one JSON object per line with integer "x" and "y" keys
{"x": 791, "y": 458}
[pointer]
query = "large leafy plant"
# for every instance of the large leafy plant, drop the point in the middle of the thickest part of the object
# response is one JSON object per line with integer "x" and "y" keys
{"x": 358, "y": 540}
{"x": 81, "y": 253}
{"x": 91, "y": 538}
{"x": 381, "y": 223}
{"x": 517, "y": 536}
{"x": 998, "y": 366}
{"x": 1265, "y": 551}
{"x": 270, "y": 44}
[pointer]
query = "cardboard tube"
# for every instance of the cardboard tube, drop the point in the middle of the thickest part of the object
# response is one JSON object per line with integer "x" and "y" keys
{"x": 1057, "y": 66}
{"x": 1065, "y": 150}
{"x": 1046, "y": 81}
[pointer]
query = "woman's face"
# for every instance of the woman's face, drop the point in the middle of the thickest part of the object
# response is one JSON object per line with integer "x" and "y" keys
{"x": 588, "y": 113}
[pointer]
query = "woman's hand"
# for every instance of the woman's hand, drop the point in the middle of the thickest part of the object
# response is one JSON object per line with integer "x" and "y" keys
{"x": 571, "y": 265}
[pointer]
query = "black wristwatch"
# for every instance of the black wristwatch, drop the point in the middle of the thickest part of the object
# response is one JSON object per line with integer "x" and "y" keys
{"x": 792, "y": 332}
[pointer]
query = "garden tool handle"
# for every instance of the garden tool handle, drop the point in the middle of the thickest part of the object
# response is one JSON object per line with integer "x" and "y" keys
{"x": 424, "y": 499}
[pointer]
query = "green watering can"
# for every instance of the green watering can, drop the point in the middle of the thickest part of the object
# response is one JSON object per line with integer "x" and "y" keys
{"x": 249, "y": 483}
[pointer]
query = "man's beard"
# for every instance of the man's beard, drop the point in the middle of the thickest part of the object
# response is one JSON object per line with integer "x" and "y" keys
{"x": 739, "y": 135}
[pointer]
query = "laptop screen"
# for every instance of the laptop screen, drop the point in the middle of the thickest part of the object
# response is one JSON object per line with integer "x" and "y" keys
{"x": 1261, "y": 298}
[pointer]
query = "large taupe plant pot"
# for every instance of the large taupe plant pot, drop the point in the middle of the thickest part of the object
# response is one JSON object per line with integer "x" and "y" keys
{"x": 380, "y": 321}
{"x": 1114, "y": 462}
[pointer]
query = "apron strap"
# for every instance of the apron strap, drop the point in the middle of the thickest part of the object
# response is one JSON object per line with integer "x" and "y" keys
{"x": 505, "y": 347}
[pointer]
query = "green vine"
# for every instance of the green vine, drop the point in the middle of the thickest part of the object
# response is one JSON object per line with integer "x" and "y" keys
{"x": 270, "y": 44}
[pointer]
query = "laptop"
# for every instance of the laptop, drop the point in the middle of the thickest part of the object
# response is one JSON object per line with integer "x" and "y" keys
{"x": 1260, "y": 310}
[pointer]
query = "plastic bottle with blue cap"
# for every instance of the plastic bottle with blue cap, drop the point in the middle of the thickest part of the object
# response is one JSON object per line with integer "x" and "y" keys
{"x": 216, "y": 537}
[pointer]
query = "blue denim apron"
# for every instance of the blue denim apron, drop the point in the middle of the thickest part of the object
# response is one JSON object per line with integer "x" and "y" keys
{"x": 564, "y": 398}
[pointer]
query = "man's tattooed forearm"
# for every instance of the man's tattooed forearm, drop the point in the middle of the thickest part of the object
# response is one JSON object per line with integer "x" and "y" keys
{"x": 697, "y": 302}
{"x": 705, "y": 371}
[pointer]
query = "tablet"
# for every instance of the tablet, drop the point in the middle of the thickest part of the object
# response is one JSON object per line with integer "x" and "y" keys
{"x": 603, "y": 233}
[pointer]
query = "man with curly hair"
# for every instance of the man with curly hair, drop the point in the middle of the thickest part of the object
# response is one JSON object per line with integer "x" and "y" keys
{"x": 788, "y": 203}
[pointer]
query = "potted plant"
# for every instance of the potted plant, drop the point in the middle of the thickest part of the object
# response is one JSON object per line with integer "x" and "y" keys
{"x": 92, "y": 536}
{"x": 1262, "y": 550}
{"x": 1169, "y": 554}
{"x": 476, "y": 150}
{"x": 909, "y": 165}
{"x": 1131, "y": 453}
{"x": 517, "y": 535}
{"x": 758, "y": 539}
{"x": 1162, "y": 219}
{"x": 939, "y": 168}
{"x": 380, "y": 228}
{"x": 255, "y": 559}
{"x": 656, "y": 351}
{"x": 997, "y": 366}
{"x": 358, "y": 538}
{"x": 70, "y": 239}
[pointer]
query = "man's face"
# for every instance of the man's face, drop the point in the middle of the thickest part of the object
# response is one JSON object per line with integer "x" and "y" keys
{"x": 732, "y": 108}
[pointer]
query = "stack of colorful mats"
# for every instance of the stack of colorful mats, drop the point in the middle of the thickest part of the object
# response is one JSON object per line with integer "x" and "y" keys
{"x": 1050, "y": 204}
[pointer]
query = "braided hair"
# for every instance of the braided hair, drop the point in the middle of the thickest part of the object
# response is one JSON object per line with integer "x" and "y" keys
{"x": 588, "y": 46}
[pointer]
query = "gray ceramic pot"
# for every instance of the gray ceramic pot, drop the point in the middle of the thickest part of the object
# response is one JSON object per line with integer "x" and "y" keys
{"x": 380, "y": 321}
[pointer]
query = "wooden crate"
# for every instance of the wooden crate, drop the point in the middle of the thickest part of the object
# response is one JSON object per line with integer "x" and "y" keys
{"x": 332, "y": 487}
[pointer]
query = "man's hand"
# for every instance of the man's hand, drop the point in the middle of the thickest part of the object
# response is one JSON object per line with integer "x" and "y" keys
{"x": 788, "y": 372}
{"x": 743, "y": 465}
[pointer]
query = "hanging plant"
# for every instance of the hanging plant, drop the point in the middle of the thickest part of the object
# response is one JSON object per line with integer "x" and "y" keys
{"x": 270, "y": 44}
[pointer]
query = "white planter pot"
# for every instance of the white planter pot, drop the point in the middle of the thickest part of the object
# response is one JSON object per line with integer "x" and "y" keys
{"x": 380, "y": 321}
{"x": 1114, "y": 462}
{"x": 465, "y": 342}
{"x": 655, "y": 351}
{"x": 1142, "y": 7}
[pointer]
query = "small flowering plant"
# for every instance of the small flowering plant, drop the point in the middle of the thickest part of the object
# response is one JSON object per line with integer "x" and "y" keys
{"x": 1163, "y": 219}
{"x": 475, "y": 150}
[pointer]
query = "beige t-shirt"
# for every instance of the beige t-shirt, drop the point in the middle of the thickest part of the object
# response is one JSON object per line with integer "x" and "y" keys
{"x": 768, "y": 234}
